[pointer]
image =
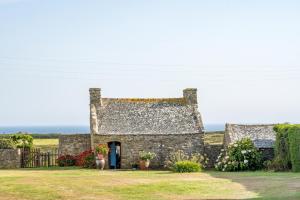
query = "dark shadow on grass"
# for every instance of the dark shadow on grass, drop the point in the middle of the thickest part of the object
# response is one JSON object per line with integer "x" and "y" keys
{"x": 268, "y": 185}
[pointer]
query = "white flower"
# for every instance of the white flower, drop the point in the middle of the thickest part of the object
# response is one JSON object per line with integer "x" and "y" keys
{"x": 244, "y": 151}
{"x": 245, "y": 161}
{"x": 249, "y": 150}
{"x": 222, "y": 150}
{"x": 226, "y": 157}
{"x": 235, "y": 145}
{"x": 223, "y": 170}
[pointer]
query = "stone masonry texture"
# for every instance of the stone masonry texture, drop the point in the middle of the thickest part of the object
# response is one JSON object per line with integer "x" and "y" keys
{"x": 10, "y": 158}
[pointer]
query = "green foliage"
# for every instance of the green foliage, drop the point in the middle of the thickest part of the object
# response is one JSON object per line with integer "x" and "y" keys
{"x": 36, "y": 135}
{"x": 22, "y": 140}
{"x": 7, "y": 143}
{"x": 287, "y": 147}
{"x": 282, "y": 155}
{"x": 102, "y": 149}
{"x": 66, "y": 160}
{"x": 89, "y": 161}
{"x": 186, "y": 166}
{"x": 146, "y": 155}
{"x": 239, "y": 156}
{"x": 294, "y": 147}
{"x": 181, "y": 156}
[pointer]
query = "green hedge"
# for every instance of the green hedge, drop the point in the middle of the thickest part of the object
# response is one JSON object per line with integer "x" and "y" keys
{"x": 6, "y": 143}
{"x": 294, "y": 147}
{"x": 287, "y": 146}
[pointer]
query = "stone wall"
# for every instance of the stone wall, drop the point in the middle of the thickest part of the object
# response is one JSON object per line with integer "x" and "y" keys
{"x": 161, "y": 144}
{"x": 262, "y": 135}
{"x": 10, "y": 158}
{"x": 74, "y": 144}
{"x": 212, "y": 152}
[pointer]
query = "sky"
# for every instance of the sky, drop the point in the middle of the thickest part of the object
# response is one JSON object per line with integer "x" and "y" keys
{"x": 243, "y": 56}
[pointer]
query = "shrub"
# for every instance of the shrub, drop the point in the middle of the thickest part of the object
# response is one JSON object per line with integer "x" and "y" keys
{"x": 86, "y": 159}
{"x": 102, "y": 149}
{"x": 239, "y": 156}
{"x": 294, "y": 147}
{"x": 287, "y": 152}
{"x": 146, "y": 155}
{"x": 7, "y": 143}
{"x": 22, "y": 140}
{"x": 181, "y": 156}
{"x": 186, "y": 166}
{"x": 66, "y": 160}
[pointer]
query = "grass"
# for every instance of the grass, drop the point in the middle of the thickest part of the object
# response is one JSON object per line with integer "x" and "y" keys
{"x": 74, "y": 183}
{"x": 214, "y": 138}
{"x": 45, "y": 144}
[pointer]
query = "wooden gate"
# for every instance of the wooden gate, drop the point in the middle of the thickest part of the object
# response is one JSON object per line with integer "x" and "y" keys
{"x": 31, "y": 158}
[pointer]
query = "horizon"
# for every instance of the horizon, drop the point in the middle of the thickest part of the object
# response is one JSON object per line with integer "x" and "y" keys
{"x": 243, "y": 57}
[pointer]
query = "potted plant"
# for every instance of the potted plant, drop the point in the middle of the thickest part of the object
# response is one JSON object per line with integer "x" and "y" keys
{"x": 101, "y": 151}
{"x": 145, "y": 158}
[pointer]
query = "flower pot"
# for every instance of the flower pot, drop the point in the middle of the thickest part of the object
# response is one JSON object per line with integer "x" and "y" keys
{"x": 142, "y": 165}
{"x": 101, "y": 164}
{"x": 147, "y": 163}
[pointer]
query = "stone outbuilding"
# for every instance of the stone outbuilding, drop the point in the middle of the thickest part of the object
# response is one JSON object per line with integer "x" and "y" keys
{"x": 262, "y": 135}
{"x": 131, "y": 125}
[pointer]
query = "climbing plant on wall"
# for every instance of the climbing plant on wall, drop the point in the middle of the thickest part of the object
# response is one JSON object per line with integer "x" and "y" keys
{"x": 287, "y": 147}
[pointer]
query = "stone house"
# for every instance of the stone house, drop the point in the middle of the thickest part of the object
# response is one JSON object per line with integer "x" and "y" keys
{"x": 131, "y": 125}
{"x": 262, "y": 135}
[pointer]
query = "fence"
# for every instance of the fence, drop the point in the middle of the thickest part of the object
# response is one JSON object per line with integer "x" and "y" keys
{"x": 31, "y": 158}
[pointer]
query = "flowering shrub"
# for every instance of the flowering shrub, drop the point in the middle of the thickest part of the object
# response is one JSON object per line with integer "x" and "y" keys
{"x": 66, "y": 160}
{"x": 179, "y": 156}
{"x": 102, "y": 149}
{"x": 146, "y": 155}
{"x": 241, "y": 155}
{"x": 187, "y": 166}
{"x": 86, "y": 159}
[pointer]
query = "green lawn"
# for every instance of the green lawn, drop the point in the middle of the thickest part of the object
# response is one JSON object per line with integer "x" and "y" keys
{"x": 74, "y": 183}
{"x": 45, "y": 144}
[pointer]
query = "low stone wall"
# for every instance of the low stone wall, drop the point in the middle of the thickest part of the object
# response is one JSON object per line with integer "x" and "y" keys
{"x": 10, "y": 158}
{"x": 161, "y": 144}
{"x": 212, "y": 152}
{"x": 74, "y": 144}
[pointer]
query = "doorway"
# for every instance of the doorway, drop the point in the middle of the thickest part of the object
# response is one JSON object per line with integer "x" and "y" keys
{"x": 114, "y": 155}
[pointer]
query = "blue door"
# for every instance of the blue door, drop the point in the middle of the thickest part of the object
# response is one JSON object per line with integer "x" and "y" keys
{"x": 113, "y": 155}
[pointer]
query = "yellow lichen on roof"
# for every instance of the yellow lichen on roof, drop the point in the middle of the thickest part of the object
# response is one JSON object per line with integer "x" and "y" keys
{"x": 148, "y": 100}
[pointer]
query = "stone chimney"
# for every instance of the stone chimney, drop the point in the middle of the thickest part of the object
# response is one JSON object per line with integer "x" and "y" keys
{"x": 95, "y": 103}
{"x": 190, "y": 95}
{"x": 95, "y": 96}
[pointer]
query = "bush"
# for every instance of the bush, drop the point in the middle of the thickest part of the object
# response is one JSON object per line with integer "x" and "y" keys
{"x": 102, "y": 149}
{"x": 146, "y": 155}
{"x": 66, "y": 160}
{"x": 186, "y": 166}
{"x": 22, "y": 140}
{"x": 287, "y": 147}
{"x": 294, "y": 147}
{"x": 86, "y": 159}
{"x": 7, "y": 143}
{"x": 181, "y": 156}
{"x": 239, "y": 156}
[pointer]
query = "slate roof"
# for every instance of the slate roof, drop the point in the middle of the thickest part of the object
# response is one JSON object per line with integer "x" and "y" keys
{"x": 148, "y": 116}
{"x": 262, "y": 135}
